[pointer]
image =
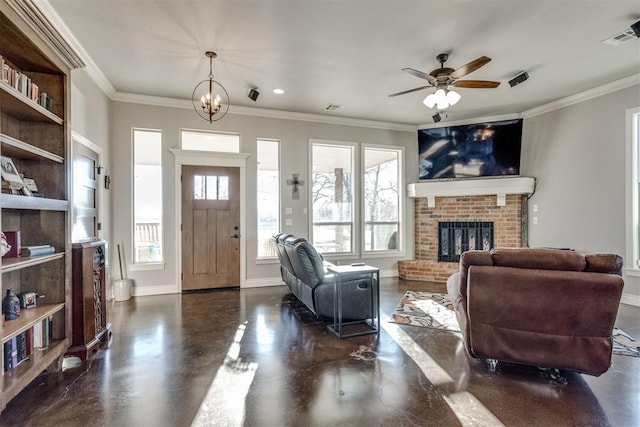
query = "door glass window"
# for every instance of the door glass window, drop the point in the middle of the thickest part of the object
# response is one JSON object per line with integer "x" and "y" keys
{"x": 210, "y": 187}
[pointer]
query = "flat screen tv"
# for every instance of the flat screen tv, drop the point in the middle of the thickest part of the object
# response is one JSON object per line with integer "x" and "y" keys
{"x": 469, "y": 151}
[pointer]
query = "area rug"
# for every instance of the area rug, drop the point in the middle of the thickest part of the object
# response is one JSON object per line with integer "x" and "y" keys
{"x": 432, "y": 310}
{"x": 426, "y": 309}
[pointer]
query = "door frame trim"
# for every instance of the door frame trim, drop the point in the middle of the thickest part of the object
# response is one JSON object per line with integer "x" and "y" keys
{"x": 87, "y": 143}
{"x": 209, "y": 158}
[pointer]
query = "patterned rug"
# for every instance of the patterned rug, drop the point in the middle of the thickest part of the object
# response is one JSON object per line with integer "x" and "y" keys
{"x": 426, "y": 309}
{"x": 431, "y": 310}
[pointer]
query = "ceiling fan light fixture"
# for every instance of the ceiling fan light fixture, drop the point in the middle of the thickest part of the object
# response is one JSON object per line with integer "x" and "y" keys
{"x": 442, "y": 105}
{"x": 441, "y": 97}
{"x": 453, "y": 97}
{"x": 430, "y": 100}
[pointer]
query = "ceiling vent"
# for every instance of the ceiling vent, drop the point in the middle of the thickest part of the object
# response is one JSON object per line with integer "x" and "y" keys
{"x": 623, "y": 37}
{"x": 332, "y": 107}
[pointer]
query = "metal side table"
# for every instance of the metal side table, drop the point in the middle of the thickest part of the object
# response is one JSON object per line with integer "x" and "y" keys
{"x": 366, "y": 326}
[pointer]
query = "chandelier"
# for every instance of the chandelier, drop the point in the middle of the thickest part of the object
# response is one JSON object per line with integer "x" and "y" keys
{"x": 442, "y": 98}
{"x": 210, "y": 99}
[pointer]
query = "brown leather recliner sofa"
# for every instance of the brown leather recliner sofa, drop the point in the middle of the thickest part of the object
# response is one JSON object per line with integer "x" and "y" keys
{"x": 542, "y": 307}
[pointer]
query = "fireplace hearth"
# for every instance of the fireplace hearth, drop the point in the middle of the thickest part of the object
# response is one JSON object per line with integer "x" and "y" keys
{"x": 456, "y": 237}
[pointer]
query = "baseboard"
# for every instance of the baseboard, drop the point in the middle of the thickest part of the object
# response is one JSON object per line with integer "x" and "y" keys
{"x": 389, "y": 273}
{"x": 630, "y": 300}
{"x": 262, "y": 283}
{"x": 141, "y": 291}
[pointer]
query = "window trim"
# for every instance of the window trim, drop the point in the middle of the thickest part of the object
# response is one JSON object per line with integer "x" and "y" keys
{"x": 400, "y": 250}
{"x": 155, "y": 265}
{"x": 269, "y": 259}
{"x": 632, "y": 131}
{"x": 355, "y": 209}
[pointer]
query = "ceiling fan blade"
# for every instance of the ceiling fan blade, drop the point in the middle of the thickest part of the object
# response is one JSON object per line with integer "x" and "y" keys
{"x": 476, "y": 84}
{"x": 420, "y": 74}
{"x": 470, "y": 67}
{"x": 408, "y": 91}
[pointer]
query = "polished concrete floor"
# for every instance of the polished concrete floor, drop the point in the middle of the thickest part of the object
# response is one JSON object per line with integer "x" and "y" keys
{"x": 256, "y": 358}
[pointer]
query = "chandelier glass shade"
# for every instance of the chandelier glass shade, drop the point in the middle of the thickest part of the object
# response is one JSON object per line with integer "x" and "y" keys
{"x": 442, "y": 99}
{"x": 209, "y": 98}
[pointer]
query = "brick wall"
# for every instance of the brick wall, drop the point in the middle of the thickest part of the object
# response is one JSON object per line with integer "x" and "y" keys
{"x": 507, "y": 231}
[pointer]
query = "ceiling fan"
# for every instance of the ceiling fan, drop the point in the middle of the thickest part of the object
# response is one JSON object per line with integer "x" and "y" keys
{"x": 443, "y": 77}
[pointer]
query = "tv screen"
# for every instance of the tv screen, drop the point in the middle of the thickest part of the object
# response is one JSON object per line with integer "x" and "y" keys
{"x": 474, "y": 150}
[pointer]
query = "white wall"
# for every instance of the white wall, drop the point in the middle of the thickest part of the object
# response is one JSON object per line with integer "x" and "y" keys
{"x": 578, "y": 155}
{"x": 294, "y": 136}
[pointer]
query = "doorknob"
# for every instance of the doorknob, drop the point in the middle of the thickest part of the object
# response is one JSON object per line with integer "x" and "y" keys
{"x": 236, "y": 236}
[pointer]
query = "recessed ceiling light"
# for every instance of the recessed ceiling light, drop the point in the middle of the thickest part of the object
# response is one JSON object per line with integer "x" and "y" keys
{"x": 278, "y": 91}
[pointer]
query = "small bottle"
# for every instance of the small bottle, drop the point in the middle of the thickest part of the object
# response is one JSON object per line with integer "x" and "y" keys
{"x": 11, "y": 305}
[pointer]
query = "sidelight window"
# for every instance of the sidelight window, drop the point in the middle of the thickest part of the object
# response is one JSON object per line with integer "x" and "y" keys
{"x": 268, "y": 192}
{"x": 147, "y": 189}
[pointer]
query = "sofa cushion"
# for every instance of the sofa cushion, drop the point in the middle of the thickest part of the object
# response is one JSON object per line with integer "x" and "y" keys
{"x": 604, "y": 263}
{"x": 309, "y": 266}
{"x": 542, "y": 259}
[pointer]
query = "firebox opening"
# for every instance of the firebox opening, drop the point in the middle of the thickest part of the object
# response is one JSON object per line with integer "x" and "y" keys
{"x": 456, "y": 237}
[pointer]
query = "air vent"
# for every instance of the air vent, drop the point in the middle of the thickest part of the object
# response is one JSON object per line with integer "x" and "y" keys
{"x": 621, "y": 38}
{"x": 332, "y": 107}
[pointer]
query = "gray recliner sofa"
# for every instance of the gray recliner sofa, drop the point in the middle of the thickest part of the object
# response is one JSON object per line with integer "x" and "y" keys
{"x": 305, "y": 272}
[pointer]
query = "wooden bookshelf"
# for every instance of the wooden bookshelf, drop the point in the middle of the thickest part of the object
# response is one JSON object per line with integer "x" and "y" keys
{"x": 28, "y": 318}
{"x": 12, "y": 382}
{"x": 38, "y": 141}
{"x": 12, "y": 264}
{"x": 17, "y": 201}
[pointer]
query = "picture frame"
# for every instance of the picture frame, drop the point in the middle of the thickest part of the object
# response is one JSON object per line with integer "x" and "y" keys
{"x": 10, "y": 173}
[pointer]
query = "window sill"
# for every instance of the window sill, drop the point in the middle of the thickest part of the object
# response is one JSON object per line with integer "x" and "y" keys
{"x": 147, "y": 266}
{"x": 632, "y": 272}
{"x": 270, "y": 260}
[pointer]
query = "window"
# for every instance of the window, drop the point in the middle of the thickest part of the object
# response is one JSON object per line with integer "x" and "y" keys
{"x": 210, "y": 187}
{"x": 381, "y": 181}
{"x": 209, "y": 141}
{"x": 332, "y": 197}
{"x": 633, "y": 187}
{"x": 147, "y": 190}
{"x": 268, "y": 202}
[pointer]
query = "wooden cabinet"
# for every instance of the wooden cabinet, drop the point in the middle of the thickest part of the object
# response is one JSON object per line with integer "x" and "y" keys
{"x": 90, "y": 323}
{"x": 35, "y": 134}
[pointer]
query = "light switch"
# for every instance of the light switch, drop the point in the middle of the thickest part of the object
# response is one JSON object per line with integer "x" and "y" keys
{"x": 535, "y": 220}
{"x": 288, "y": 211}
{"x": 304, "y": 211}
{"x": 288, "y": 221}
{"x": 535, "y": 208}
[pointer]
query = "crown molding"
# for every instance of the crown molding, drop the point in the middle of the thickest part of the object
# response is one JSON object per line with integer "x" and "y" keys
{"x": 596, "y": 92}
{"x": 57, "y": 26}
{"x": 485, "y": 119}
{"x": 90, "y": 67}
{"x": 263, "y": 112}
{"x": 31, "y": 11}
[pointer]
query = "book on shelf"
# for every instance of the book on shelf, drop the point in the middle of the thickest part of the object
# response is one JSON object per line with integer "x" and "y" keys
{"x": 6, "y": 356}
{"x": 27, "y": 251}
{"x": 21, "y": 341}
{"x": 13, "y": 239}
{"x": 16, "y": 351}
{"x": 23, "y": 84}
{"x": 37, "y": 335}
{"x": 45, "y": 333}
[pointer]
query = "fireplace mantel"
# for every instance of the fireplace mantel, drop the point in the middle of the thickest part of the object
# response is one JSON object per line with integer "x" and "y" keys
{"x": 501, "y": 187}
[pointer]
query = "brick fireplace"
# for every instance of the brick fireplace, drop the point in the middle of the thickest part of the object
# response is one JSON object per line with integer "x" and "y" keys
{"x": 437, "y": 202}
